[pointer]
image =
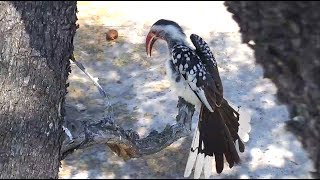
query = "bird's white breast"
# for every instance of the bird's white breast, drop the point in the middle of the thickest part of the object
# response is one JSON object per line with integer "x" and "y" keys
{"x": 181, "y": 87}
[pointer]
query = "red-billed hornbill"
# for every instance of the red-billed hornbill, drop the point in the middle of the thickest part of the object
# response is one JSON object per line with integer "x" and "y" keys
{"x": 195, "y": 77}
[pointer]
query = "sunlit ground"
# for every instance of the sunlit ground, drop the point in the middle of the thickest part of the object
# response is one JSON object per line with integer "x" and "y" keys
{"x": 142, "y": 100}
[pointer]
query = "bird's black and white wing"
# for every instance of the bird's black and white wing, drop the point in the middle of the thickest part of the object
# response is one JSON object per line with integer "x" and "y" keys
{"x": 199, "y": 69}
{"x": 207, "y": 58}
{"x": 195, "y": 73}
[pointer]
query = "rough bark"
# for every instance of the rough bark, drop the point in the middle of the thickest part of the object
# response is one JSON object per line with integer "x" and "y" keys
{"x": 36, "y": 42}
{"x": 286, "y": 40}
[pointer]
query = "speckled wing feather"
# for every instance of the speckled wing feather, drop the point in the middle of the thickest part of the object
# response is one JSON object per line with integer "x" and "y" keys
{"x": 207, "y": 58}
{"x": 190, "y": 66}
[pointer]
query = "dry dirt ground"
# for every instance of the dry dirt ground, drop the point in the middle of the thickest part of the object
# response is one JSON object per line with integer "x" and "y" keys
{"x": 142, "y": 100}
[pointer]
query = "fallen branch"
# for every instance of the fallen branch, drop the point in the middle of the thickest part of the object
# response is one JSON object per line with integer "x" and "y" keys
{"x": 127, "y": 143}
{"x": 94, "y": 80}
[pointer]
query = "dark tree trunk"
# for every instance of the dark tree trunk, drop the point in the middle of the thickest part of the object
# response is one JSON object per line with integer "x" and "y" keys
{"x": 287, "y": 45}
{"x": 36, "y": 42}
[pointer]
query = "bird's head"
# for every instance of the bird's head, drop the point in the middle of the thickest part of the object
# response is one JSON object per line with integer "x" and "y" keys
{"x": 167, "y": 30}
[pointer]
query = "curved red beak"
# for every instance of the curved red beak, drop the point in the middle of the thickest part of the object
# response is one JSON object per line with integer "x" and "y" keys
{"x": 150, "y": 40}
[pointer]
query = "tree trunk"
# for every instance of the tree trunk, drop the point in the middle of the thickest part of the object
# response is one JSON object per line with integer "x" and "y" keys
{"x": 36, "y": 42}
{"x": 286, "y": 40}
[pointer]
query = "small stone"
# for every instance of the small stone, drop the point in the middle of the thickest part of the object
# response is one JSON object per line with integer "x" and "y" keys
{"x": 112, "y": 34}
{"x": 81, "y": 107}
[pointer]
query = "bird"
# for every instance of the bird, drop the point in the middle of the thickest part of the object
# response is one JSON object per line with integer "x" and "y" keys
{"x": 193, "y": 73}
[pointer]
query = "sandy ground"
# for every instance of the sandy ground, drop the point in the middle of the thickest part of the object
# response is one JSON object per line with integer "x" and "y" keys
{"x": 142, "y": 100}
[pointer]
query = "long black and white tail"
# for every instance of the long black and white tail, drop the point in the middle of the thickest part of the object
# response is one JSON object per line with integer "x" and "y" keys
{"x": 214, "y": 139}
